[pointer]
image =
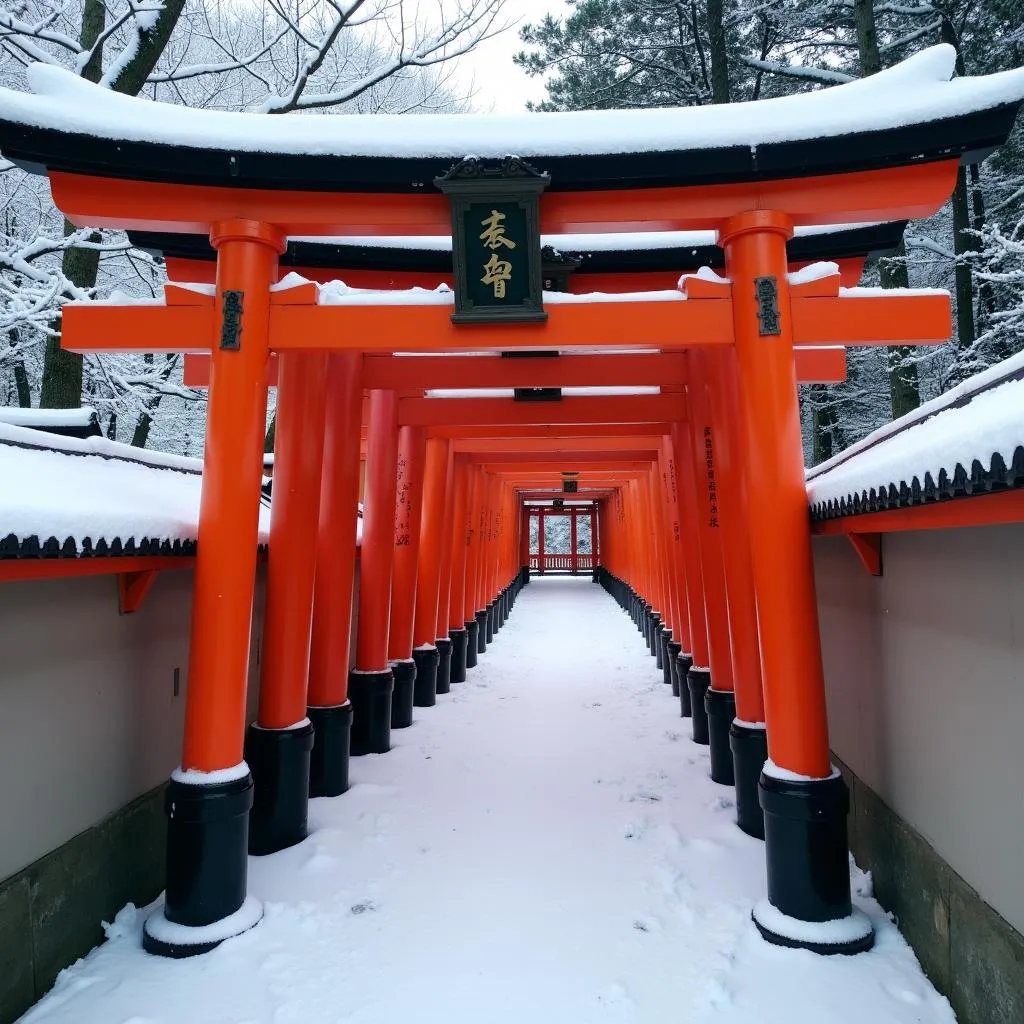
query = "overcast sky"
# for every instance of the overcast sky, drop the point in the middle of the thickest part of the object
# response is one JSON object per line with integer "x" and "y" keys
{"x": 501, "y": 87}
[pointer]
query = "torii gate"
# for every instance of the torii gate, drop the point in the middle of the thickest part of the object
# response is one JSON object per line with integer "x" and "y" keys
{"x": 250, "y": 183}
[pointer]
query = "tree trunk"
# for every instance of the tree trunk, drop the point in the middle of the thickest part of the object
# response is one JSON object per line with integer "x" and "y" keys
{"x": 62, "y": 371}
{"x": 22, "y": 385}
{"x": 112, "y": 427}
{"x": 141, "y": 433}
{"x": 904, "y": 389}
{"x": 867, "y": 37}
{"x": 268, "y": 440}
{"x": 964, "y": 279}
{"x": 825, "y": 441}
{"x": 904, "y": 392}
{"x": 718, "y": 52}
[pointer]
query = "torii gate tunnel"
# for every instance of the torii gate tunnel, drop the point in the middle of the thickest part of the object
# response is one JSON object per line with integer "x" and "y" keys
{"x": 695, "y": 472}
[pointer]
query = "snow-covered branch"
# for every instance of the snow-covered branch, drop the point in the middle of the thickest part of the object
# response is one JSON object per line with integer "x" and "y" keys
{"x": 822, "y": 75}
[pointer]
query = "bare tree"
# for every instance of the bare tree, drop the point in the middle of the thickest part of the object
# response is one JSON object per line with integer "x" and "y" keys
{"x": 337, "y": 56}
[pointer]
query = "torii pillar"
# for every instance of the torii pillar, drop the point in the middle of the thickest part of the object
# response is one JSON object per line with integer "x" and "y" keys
{"x": 804, "y": 799}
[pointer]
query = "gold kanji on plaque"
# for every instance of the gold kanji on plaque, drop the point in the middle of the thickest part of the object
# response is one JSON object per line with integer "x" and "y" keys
{"x": 497, "y": 272}
{"x": 493, "y": 235}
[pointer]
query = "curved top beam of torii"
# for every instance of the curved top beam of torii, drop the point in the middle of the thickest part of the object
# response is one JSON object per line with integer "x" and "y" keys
{"x": 610, "y": 170}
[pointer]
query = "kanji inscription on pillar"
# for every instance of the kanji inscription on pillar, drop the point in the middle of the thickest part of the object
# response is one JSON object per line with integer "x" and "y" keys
{"x": 709, "y": 470}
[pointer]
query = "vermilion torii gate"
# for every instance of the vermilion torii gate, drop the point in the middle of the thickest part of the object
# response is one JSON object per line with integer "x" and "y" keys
{"x": 751, "y": 176}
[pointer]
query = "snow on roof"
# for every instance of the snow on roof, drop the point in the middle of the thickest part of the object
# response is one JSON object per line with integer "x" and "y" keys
{"x": 969, "y": 440}
{"x": 83, "y": 417}
{"x": 916, "y": 91}
{"x": 337, "y": 293}
{"x": 624, "y": 241}
{"x": 63, "y": 495}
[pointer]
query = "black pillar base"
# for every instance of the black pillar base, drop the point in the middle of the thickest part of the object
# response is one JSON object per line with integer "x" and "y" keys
{"x": 207, "y": 867}
{"x": 657, "y": 646}
{"x": 279, "y": 762}
{"x": 444, "y": 664}
{"x": 674, "y": 647}
{"x": 427, "y": 659}
{"x": 720, "y": 708}
{"x": 749, "y": 745}
{"x": 460, "y": 655}
{"x": 808, "y": 868}
{"x": 328, "y": 761}
{"x": 404, "y": 672}
{"x": 472, "y": 631}
{"x": 482, "y": 639}
{"x": 489, "y": 622}
{"x": 665, "y": 663}
{"x": 698, "y": 680}
{"x": 683, "y": 665}
{"x": 370, "y": 693}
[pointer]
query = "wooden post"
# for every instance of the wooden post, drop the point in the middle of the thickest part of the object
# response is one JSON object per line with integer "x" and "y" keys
{"x": 433, "y": 527}
{"x": 805, "y": 803}
{"x": 207, "y": 835}
{"x": 278, "y": 744}
{"x": 412, "y": 443}
{"x": 371, "y": 682}
{"x": 329, "y": 708}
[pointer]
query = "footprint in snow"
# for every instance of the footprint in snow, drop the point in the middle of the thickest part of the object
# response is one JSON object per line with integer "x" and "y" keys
{"x": 615, "y": 994}
{"x": 721, "y": 803}
{"x": 644, "y": 797}
{"x": 366, "y": 907}
{"x": 899, "y": 991}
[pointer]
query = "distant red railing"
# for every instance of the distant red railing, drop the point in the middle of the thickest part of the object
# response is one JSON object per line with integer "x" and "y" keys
{"x": 572, "y": 564}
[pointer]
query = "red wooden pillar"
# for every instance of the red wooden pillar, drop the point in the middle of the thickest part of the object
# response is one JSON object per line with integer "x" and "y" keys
{"x": 209, "y": 796}
{"x": 689, "y": 516}
{"x": 330, "y": 645}
{"x": 574, "y": 561}
{"x": 804, "y": 800}
{"x": 278, "y": 744}
{"x": 679, "y": 663}
{"x": 371, "y": 682}
{"x": 443, "y": 638}
{"x": 709, "y": 538}
{"x": 433, "y": 527}
{"x": 594, "y": 560}
{"x": 745, "y": 734}
{"x": 459, "y": 531}
{"x": 412, "y": 443}
{"x": 471, "y": 596}
{"x": 524, "y": 543}
{"x": 540, "y": 542}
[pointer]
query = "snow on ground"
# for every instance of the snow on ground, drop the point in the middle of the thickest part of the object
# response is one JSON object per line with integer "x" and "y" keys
{"x": 545, "y": 845}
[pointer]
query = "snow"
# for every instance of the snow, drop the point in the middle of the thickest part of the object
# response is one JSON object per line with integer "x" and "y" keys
{"x": 917, "y": 90}
{"x": 194, "y": 777}
{"x": 623, "y": 241}
{"x": 744, "y": 724}
{"x": 974, "y": 420}
{"x": 65, "y": 487}
{"x": 570, "y": 392}
{"x": 247, "y": 915}
{"x": 337, "y": 293}
{"x": 82, "y": 417}
{"x": 847, "y": 929}
{"x": 813, "y": 272}
{"x": 543, "y": 845}
{"x": 774, "y": 771}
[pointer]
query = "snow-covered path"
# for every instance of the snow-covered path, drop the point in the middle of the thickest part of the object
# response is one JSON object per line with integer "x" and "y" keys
{"x": 542, "y": 846}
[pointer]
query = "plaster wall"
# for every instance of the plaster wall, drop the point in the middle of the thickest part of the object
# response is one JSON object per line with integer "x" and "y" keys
{"x": 925, "y": 676}
{"x": 90, "y": 718}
